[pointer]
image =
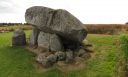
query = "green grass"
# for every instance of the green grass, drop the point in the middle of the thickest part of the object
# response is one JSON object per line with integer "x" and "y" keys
{"x": 18, "y": 62}
{"x": 124, "y": 47}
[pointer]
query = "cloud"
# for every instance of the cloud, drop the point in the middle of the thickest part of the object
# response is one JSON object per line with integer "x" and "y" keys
{"x": 88, "y": 11}
{"x": 7, "y": 6}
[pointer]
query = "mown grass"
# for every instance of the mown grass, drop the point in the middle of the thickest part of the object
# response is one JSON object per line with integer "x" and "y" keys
{"x": 18, "y": 62}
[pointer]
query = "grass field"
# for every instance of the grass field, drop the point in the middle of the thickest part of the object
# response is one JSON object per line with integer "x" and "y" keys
{"x": 18, "y": 62}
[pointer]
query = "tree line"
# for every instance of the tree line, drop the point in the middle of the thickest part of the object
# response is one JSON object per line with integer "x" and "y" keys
{"x": 12, "y": 24}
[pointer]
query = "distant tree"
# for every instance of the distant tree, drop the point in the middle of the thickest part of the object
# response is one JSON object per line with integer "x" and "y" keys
{"x": 10, "y": 24}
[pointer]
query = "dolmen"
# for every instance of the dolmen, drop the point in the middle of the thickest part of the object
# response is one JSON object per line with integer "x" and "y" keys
{"x": 57, "y": 32}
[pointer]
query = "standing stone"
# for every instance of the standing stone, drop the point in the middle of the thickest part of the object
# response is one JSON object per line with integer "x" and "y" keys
{"x": 59, "y": 21}
{"x": 34, "y": 36}
{"x": 18, "y": 38}
{"x": 49, "y": 41}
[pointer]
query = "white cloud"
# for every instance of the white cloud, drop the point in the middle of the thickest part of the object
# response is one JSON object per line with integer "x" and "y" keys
{"x": 88, "y": 11}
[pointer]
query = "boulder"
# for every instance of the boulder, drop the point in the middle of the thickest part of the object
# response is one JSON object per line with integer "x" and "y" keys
{"x": 52, "y": 58}
{"x": 60, "y": 56}
{"x": 85, "y": 43}
{"x": 34, "y": 36}
{"x": 81, "y": 52}
{"x": 42, "y": 59}
{"x": 18, "y": 38}
{"x": 49, "y": 41}
{"x": 59, "y": 22}
{"x": 69, "y": 56}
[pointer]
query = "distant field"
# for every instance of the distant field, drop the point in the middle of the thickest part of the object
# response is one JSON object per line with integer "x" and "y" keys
{"x": 106, "y": 28}
{"x": 11, "y": 28}
{"x": 92, "y": 28}
{"x": 19, "y": 62}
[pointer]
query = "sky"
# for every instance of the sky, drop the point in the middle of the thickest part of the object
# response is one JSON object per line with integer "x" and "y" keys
{"x": 87, "y": 11}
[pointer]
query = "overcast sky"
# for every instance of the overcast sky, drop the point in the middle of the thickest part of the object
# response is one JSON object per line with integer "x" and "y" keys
{"x": 88, "y": 11}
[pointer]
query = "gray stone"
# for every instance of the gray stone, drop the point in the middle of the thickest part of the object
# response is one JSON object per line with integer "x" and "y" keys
{"x": 69, "y": 56}
{"x": 49, "y": 41}
{"x": 59, "y": 21}
{"x": 86, "y": 56}
{"x": 60, "y": 56}
{"x": 85, "y": 43}
{"x": 42, "y": 59}
{"x": 81, "y": 52}
{"x": 87, "y": 46}
{"x": 34, "y": 36}
{"x": 52, "y": 58}
{"x": 89, "y": 49}
{"x": 18, "y": 38}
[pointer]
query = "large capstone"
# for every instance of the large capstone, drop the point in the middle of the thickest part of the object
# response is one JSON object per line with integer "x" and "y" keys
{"x": 49, "y": 41}
{"x": 59, "y": 22}
{"x": 18, "y": 38}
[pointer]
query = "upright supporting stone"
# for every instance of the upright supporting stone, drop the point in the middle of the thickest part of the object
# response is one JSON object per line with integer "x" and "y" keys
{"x": 34, "y": 36}
{"x": 49, "y": 41}
{"x": 18, "y": 38}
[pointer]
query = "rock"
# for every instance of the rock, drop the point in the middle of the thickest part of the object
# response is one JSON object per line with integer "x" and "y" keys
{"x": 60, "y": 56}
{"x": 49, "y": 41}
{"x": 81, "y": 52}
{"x": 85, "y": 43}
{"x": 69, "y": 56}
{"x": 18, "y": 38}
{"x": 89, "y": 49}
{"x": 87, "y": 46}
{"x": 55, "y": 43}
{"x": 86, "y": 56}
{"x": 52, "y": 58}
{"x": 59, "y": 22}
{"x": 34, "y": 36}
{"x": 46, "y": 63}
{"x": 42, "y": 59}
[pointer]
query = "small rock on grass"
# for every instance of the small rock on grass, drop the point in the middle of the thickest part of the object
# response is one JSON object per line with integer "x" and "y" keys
{"x": 69, "y": 56}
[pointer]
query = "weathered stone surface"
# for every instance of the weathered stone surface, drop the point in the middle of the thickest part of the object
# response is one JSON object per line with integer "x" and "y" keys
{"x": 69, "y": 56}
{"x": 18, "y": 38}
{"x": 85, "y": 43}
{"x": 52, "y": 58}
{"x": 34, "y": 36}
{"x": 60, "y": 55}
{"x": 42, "y": 59}
{"x": 49, "y": 41}
{"x": 81, "y": 52}
{"x": 59, "y": 21}
{"x": 87, "y": 46}
{"x": 86, "y": 56}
